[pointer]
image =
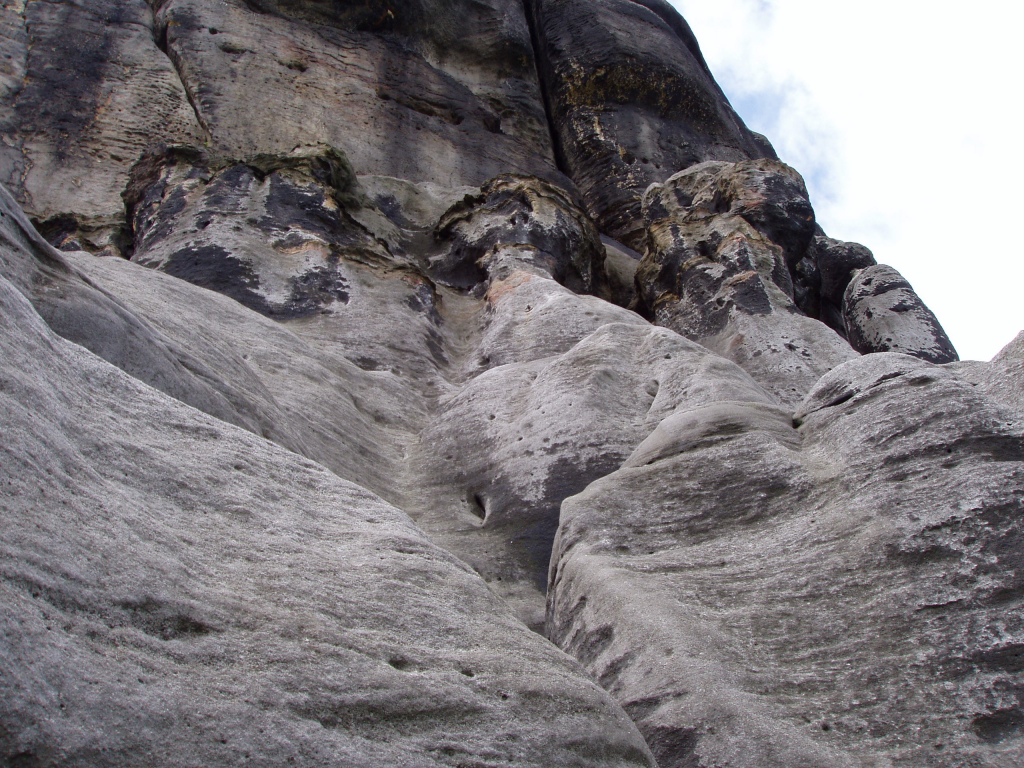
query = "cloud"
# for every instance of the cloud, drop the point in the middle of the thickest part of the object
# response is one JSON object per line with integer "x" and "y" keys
{"x": 904, "y": 119}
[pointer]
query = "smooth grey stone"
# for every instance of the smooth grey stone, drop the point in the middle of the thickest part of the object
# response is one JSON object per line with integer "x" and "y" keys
{"x": 882, "y": 313}
{"x": 178, "y": 591}
{"x": 1002, "y": 379}
{"x": 86, "y": 314}
{"x": 839, "y": 590}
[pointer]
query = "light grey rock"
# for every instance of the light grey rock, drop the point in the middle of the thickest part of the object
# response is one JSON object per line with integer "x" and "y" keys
{"x": 87, "y": 315}
{"x": 310, "y": 399}
{"x": 358, "y": 385}
{"x": 846, "y": 592}
{"x": 882, "y": 313}
{"x": 360, "y": 270}
{"x": 84, "y": 90}
{"x": 722, "y": 239}
{"x": 505, "y": 449}
{"x": 178, "y": 591}
{"x": 1002, "y": 379}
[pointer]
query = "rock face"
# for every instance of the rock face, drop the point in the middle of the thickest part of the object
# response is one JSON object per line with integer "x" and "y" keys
{"x": 179, "y": 591}
{"x": 882, "y": 313}
{"x": 440, "y": 322}
{"x": 632, "y": 101}
{"x": 723, "y": 242}
{"x": 86, "y": 90}
{"x": 832, "y": 590}
{"x": 432, "y": 90}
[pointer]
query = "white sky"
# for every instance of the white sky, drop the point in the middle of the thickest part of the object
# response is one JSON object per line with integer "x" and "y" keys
{"x": 904, "y": 117}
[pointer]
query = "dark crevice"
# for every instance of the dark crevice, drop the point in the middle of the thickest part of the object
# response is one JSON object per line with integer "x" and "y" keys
{"x": 535, "y": 42}
{"x": 162, "y": 43}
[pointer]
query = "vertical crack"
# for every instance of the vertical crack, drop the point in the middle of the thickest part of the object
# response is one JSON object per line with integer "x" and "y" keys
{"x": 160, "y": 38}
{"x": 542, "y": 82}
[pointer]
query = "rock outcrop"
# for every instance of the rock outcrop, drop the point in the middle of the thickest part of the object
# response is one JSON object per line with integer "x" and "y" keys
{"x": 381, "y": 334}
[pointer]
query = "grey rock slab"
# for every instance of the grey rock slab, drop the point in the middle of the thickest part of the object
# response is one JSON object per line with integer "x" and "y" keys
{"x": 86, "y": 89}
{"x": 530, "y": 317}
{"x": 311, "y": 400}
{"x": 442, "y": 92}
{"x": 293, "y": 237}
{"x": 883, "y": 313}
{"x": 722, "y": 239}
{"x": 839, "y": 589}
{"x": 84, "y": 313}
{"x": 1001, "y": 379}
{"x": 505, "y": 448}
{"x": 632, "y": 101}
{"x": 177, "y": 591}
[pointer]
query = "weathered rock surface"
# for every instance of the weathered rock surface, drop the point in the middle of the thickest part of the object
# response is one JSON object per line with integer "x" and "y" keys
{"x": 821, "y": 277}
{"x": 85, "y": 90}
{"x": 87, "y": 315}
{"x": 882, "y": 313}
{"x": 374, "y": 345}
{"x": 1003, "y": 378}
{"x": 722, "y": 241}
{"x": 178, "y": 591}
{"x": 632, "y": 102}
{"x": 846, "y": 592}
{"x": 443, "y": 91}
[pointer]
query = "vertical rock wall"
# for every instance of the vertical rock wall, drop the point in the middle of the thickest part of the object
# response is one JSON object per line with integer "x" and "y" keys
{"x": 444, "y": 321}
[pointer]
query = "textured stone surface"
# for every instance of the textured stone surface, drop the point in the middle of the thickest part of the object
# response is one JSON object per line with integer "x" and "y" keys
{"x": 617, "y": 278}
{"x": 846, "y": 592}
{"x": 722, "y": 241}
{"x": 631, "y": 102}
{"x": 1002, "y": 379}
{"x": 84, "y": 90}
{"x": 443, "y": 91}
{"x": 882, "y": 313}
{"x": 311, "y": 400}
{"x": 176, "y": 590}
{"x": 832, "y": 264}
{"x": 509, "y": 445}
{"x": 87, "y": 315}
{"x": 382, "y": 387}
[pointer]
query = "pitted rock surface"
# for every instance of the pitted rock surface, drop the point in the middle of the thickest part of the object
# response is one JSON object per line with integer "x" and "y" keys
{"x": 882, "y": 314}
{"x": 844, "y": 592}
{"x": 632, "y": 101}
{"x": 723, "y": 240}
{"x": 444, "y": 92}
{"x": 179, "y": 591}
{"x": 445, "y": 321}
{"x": 86, "y": 90}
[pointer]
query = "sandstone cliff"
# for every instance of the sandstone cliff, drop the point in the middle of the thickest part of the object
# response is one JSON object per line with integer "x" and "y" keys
{"x": 450, "y": 383}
